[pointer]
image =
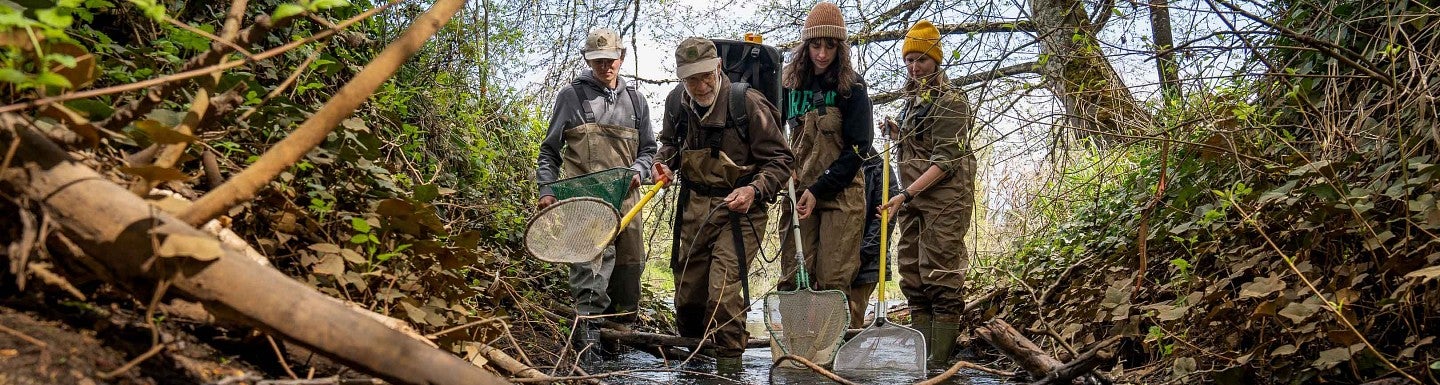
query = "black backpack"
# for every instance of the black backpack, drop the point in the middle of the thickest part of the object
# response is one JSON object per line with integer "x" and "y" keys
{"x": 749, "y": 66}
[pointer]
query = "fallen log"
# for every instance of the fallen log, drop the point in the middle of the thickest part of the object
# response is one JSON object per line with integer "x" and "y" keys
{"x": 1084, "y": 364}
{"x": 509, "y": 364}
{"x": 122, "y": 233}
{"x": 1020, "y": 349}
{"x": 1035, "y": 361}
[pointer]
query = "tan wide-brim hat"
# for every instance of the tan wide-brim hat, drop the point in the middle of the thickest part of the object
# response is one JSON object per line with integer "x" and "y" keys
{"x": 695, "y": 55}
{"x": 603, "y": 43}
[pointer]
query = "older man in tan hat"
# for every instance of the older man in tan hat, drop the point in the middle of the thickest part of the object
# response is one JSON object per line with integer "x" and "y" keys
{"x": 598, "y": 123}
{"x": 730, "y": 165}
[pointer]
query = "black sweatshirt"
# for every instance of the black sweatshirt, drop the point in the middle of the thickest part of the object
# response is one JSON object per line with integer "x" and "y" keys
{"x": 855, "y": 112}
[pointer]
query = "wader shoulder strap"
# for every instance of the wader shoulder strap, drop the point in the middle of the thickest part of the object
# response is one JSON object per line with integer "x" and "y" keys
{"x": 683, "y": 199}
{"x": 739, "y": 238}
{"x": 586, "y": 113}
{"x": 634, "y": 103}
{"x": 817, "y": 99}
{"x": 673, "y": 108}
{"x": 916, "y": 113}
{"x": 738, "y": 115}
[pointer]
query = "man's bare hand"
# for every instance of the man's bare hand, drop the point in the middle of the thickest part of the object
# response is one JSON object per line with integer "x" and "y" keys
{"x": 739, "y": 200}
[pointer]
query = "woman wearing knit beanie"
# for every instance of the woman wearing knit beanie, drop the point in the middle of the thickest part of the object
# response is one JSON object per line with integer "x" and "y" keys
{"x": 937, "y": 196}
{"x": 828, "y": 110}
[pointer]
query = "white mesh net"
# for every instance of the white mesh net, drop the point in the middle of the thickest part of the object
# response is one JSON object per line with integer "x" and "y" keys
{"x": 572, "y": 230}
{"x": 806, "y": 323}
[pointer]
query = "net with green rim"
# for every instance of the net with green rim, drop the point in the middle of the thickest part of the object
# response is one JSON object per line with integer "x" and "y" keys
{"x": 806, "y": 323}
{"x": 611, "y": 185}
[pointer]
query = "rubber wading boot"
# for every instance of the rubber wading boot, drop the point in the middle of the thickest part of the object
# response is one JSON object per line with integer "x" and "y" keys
{"x": 625, "y": 292}
{"x": 921, "y": 322}
{"x": 587, "y": 343}
{"x": 942, "y": 343}
{"x": 727, "y": 365}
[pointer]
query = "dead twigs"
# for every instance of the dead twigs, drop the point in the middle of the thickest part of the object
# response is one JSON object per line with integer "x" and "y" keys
{"x": 32, "y": 340}
{"x": 962, "y": 364}
{"x": 812, "y": 366}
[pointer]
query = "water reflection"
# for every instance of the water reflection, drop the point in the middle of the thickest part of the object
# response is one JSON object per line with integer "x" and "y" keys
{"x": 701, "y": 371}
{"x": 757, "y": 371}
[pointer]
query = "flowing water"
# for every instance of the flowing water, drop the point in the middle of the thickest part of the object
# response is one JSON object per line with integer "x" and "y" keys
{"x": 647, "y": 369}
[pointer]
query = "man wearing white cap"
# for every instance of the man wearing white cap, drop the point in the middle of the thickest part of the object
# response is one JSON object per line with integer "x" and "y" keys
{"x": 599, "y": 123}
{"x": 730, "y": 164}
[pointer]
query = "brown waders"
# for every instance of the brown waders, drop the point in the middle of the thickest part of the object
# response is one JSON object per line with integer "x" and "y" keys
{"x": 931, "y": 254}
{"x": 831, "y": 234}
{"x": 718, "y": 248}
{"x": 733, "y": 144}
{"x": 613, "y": 285}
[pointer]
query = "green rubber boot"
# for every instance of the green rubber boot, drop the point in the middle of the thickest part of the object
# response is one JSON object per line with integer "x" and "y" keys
{"x": 921, "y": 322}
{"x": 942, "y": 343}
{"x": 586, "y": 343}
{"x": 728, "y": 365}
{"x": 625, "y": 292}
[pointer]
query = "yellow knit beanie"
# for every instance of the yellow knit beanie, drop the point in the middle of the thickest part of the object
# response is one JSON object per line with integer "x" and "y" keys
{"x": 923, "y": 37}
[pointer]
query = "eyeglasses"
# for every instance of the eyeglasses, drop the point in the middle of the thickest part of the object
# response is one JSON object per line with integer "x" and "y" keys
{"x": 698, "y": 79}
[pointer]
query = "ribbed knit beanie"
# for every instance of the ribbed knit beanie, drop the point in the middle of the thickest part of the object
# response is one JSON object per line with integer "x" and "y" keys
{"x": 824, "y": 20}
{"x": 923, "y": 37}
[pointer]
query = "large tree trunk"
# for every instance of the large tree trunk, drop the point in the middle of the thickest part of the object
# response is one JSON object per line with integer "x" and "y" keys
{"x": 1076, "y": 71}
{"x": 127, "y": 237}
{"x": 1164, "y": 49}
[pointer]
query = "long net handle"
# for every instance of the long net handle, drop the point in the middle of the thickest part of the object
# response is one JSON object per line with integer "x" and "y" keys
{"x": 884, "y": 232}
{"x": 629, "y": 216}
{"x": 800, "y": 276}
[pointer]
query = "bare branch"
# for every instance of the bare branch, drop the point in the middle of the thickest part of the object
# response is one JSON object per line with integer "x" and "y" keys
{"x": 1012, "y": 70}
{"x": 165, "y": 82}
{"x": 1102, "y": 15}
{"x": 1325, "y": 47}
{"x": 945, "y": 29}
{"x": 885, "y": 17}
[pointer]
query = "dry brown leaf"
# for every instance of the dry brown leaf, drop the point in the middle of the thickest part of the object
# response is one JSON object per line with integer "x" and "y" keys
{"x": 74, "y": 121}
{"x": 162, "y": 134}
{"x": 330, "y": 265}
{"x": 352, "y": 256}
{"x": 1426, "y": 274}
{"x": 84, "y": 70}
{"x": 1173, "y": 313}
{"x": 1262, "y": 287}
{"x": 327, "y": 248}
{"x": 155, "y": 174}
{"x": 1283, "y": 350}
{"x": 16, "y": 37}
{"x": 1298, "y": 311}
{"x": 1329, "y": 358}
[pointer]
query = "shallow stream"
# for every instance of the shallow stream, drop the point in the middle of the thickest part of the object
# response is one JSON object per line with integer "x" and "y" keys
{"x": 647, "y": 369}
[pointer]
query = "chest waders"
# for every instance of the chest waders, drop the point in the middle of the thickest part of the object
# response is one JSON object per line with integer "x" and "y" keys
{"x": 711, "y": 173}
{"x": 590, "y": 147}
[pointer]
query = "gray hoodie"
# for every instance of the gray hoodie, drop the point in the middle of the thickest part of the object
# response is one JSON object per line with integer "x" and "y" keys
{"x": 611, "y": 106}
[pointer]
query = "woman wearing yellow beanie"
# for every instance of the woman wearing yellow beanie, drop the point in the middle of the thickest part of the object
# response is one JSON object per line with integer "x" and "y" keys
{"x": 937, "y": 196}
{"x": 829, "y": 112}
